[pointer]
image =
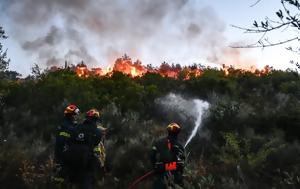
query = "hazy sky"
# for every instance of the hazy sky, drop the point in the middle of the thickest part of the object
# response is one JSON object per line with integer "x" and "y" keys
{"x": 99, "y": 31}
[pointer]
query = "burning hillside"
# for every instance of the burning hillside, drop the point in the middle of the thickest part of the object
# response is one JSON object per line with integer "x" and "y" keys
{"x": 136, "y": 69}
{"x": 228, "y": 69}
{"x": 126, "y": 66}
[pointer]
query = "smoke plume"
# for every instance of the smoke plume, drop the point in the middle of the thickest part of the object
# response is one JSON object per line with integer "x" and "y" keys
{"x": 99, "y": 31}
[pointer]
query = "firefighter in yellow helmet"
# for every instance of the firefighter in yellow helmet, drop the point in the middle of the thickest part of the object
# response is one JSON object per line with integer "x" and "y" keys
{"x": 85, "y": 155}
{"x": 63, "y": 135}
{"x": 168, "y": 158}
{"x": 100, "y": 133}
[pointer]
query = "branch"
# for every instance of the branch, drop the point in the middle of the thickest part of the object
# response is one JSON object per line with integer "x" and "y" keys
{"x": 297, "y": 50}
{"x": 247, "y": 30}
{"x": 255, "y": 3}
{"x": 262, "y": 45}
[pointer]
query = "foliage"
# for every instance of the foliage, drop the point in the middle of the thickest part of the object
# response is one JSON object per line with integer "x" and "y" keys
{"x": 237, "y": 150}
{"x": 252, "y": 128}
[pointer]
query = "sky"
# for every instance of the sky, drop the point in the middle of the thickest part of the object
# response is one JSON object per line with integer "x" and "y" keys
{"x": 99, "y": 31}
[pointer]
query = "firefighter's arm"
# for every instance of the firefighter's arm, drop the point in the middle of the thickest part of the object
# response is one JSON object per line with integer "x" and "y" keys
{"x": 183, "y": 153}
{"x": 153, "y": 154}
{"x": 181, "y": 158}
{"x": 155, "y": 158}
{"x": 60, "y": 142}
{"x": 99, "y": 149}
{"x": 99, "y": 153}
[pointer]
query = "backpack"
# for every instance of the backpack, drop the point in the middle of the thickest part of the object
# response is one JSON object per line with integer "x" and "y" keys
{"x": 80, "y": 150}
{"x": 169, "y": 156}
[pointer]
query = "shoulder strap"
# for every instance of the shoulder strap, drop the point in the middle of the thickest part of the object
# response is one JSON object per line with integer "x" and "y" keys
{"x": 169, "y": 145}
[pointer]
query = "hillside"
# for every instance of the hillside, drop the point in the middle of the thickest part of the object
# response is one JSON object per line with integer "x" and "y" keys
{"x": 248, "y": 138}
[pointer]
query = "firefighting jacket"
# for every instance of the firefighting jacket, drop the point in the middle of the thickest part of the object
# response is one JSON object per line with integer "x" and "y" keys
{"x": 95, "y": 142}
{"x": 168, "y": 155}
{"x": 63, "y": 135}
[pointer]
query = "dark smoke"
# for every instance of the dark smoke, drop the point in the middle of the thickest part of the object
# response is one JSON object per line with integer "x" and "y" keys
{"x": 51, "y": 39}
{"x": 81, "y": 53}
{"x": 99, "y": 31}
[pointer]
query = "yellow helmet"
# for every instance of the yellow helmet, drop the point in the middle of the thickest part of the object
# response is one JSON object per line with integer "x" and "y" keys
{"x": 93, "y": 113}
{"x": 173, "y": 128}
{"x": 71, "y": 109}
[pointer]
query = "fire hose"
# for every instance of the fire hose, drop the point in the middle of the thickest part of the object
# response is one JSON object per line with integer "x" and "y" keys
{"x": 150, "y": 173}
{"x": 140, "y": 179}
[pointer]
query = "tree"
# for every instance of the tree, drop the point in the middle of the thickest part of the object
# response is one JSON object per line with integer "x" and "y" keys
{"x": 4, "y": 61}
{"x": 287, "y": 19}
{"x": 36, "y": 71}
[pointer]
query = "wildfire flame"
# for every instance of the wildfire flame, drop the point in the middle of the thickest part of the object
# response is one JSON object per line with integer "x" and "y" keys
{"x": 82, "y": 70}
{"x": 252, "y": 69}
{"x": 126, "y": 66}
{"x": 136, "y": 69}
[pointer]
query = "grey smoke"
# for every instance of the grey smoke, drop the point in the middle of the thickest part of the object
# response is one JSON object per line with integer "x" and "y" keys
{"x": 82, "y": 53}
{"x": 53, "y": 61}
{"x": 98, "y": 31}
{"x": 52, "y": 38}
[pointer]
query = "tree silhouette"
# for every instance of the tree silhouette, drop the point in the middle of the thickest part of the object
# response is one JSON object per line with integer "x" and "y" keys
{"x": 4, "y": 61}
{"x": 287, "y": 20}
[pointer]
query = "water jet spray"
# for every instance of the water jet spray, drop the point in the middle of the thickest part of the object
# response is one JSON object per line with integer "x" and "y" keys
{"x": 201, "y": 107}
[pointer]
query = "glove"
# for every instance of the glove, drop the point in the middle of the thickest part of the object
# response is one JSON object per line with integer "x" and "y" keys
{"x": 58, "y": 180}
{"x": 57, "y": 172}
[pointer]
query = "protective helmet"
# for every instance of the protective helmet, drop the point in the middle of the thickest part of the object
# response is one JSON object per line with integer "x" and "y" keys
{"x": 93, "y": 113}
{"x": 173, "y": 128}
{"x": 71, "y": 109}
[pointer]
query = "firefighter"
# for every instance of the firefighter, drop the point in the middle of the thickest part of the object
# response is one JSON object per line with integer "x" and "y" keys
{"x": 63, "y": 135}
{"x": 86, "y": 153}
{"x": 168, "y": 158}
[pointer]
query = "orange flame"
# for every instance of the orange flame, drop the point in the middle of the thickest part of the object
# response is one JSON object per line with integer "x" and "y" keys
{"x": 136, "y": 69}
{"x": 82, "y": 70}
{"x": 252, "y": 69}
{"x": 126, "y": 66}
